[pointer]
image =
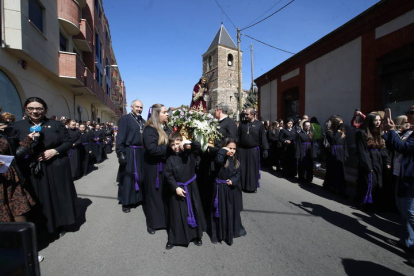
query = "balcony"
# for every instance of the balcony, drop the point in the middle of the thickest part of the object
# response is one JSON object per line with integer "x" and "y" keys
{"x": 89, "y": 81}
{"x": 84, "y": 39}
{"x": 69, "y": 16}
{"x": 71, "y": 69}
{"x": 82, "y": 3}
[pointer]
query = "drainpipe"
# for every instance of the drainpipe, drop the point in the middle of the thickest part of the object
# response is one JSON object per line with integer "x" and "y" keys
{"x": 3, "y": 28}
{"x": 74, "y": 103}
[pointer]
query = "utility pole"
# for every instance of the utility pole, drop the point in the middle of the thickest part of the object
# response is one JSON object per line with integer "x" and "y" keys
{"x": 251, "y": 61}
{"x": 239, "y": 72}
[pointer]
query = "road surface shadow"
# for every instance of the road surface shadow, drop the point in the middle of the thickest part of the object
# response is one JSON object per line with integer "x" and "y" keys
{"x": 349, "y": 224}
{"x": 356, "y": 268}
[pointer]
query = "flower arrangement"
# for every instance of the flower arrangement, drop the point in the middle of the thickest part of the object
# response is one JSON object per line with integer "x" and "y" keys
{"x": 193, "y": 125}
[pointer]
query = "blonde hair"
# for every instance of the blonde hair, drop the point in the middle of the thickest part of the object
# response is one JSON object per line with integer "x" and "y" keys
{"x": 154, "y": 121}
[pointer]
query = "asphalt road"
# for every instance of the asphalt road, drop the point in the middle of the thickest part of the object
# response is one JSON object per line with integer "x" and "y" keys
{"x": 291, "y": 230}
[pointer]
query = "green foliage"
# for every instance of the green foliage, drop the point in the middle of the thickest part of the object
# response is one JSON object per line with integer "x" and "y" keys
{"x": 251, "y": 100}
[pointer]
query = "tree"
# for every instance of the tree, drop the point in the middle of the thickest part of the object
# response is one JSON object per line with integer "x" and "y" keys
{"x": 251, "y": 100}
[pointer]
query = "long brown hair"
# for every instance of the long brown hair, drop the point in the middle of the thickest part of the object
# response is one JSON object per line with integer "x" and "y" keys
{"x": 334, "y": 124}
{"x": 154, "y": 121}
{"x": 226, "y": 142}
{"x": 373, "y": 134}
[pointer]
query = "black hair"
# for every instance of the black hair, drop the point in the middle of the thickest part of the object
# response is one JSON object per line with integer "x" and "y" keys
{"x": 37, "y": 100}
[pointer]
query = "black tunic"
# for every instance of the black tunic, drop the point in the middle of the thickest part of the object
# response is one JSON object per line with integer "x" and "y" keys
{"x": 53, "y": 185}
{"x": 288, "y": 152}
{"x": 370, "y": 159}
{"x": 252, "y": 135}
{"x": 274, "y": 147}
{"x": 108, "y": 141}
{"x": 128, "y": 141}
{"x": 154, "y": 162}
{"x": 305, "y": 152}
{"x": 97, "y": 145}
{"x": 74, "y": 153}
{"x": 335, "y": 162}
{"x": 181, "y": 168}
{"x": 228, "y": 225}
{"x": 84, "y": 149}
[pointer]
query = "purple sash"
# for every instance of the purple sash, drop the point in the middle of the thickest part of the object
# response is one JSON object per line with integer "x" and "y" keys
{"x": 190, "y": 214}
{"x": 368, "y": 196}
{"x": 135, "y": 166}
{"x": 85, "y": 144}
{"x": 260, "y": 167}
{"x": 159, "y": 169}
{"x": 96, "y": 142}
{"x": 334, "y": 149}
{"x": 70, "y": 153}
{"x": 216, "y": 202}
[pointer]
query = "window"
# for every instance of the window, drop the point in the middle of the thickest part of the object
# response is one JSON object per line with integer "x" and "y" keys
{"x": 36, "y": 14}
{"x": 9, "y": 97}
{"x": 98, "y": 75}
{"x": 98, "y": 8}
{"x": 63, "y": 42}
{"x": 108, "y": 90}
{"x": 98, "y": 49}
{"x": 108, "y": 67}
{"x": 210, "y": 62}
{"x": 229, "y": 60}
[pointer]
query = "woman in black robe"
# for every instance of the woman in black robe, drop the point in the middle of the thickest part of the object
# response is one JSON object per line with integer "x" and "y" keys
{"x": 287, "y": 138}
{"x": 85, "y": 148}
{"x": 274, "y": 145}
{"x": 305, "y": 153}
{"x": 186, "y": 220}
{"x": 45, "y": 165}
{"x": 74, "y": 153}
{"x": 109, "y": 134}
{"x": 225, "y": 216}
{"x": 336, "y": 154}
{"x": 97, "y": 144}
{"x": 155, "y": 141}
{"x": 372, "y": 156}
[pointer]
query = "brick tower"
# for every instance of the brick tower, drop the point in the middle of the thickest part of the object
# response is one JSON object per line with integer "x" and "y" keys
{"x": 220, "y": 68}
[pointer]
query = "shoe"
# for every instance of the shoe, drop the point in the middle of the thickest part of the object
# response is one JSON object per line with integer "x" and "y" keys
{"x": 40, "y": 258}
{"x": 126, "y": 209}
{"x": 150, "y": 230}
{"x": 198, "y": 242}
{"x": 214, "y": 240}
{"x": 169, "y": 246}
{"x": 62, "y": 233}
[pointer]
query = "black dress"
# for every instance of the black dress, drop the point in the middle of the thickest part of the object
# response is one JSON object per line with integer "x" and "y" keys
{"x": 97, "y": 145}
{"x": 336, "y": 156}
{"x": 370, "y": 169}
{"x": 252, "y": 136}
{"x": 74, "y": 153}
{"x": 154, "y": 162}
{"x": 186, "y": 220}
{"x": 274, "y": 147}
{"x": 108, "y": 139}
{"x": 130, "y": 175}
{"x": 50, "y": 181}
{"x": 84, "y": 149}
{"x": 288, "y": 161}
{"x": 305, "y": 152}
{"x": 225, "y": 212}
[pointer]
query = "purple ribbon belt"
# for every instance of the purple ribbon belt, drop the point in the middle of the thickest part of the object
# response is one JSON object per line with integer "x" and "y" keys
{"x": 159, "y": 169}
{"x": 334, "y": 149}
{"x": 190, "y": 216}
{"x": 260, "y": 167}
{"x": 216, "y": 201}
{"x": 368, "y": 196}
{"x": 135, "y": 166}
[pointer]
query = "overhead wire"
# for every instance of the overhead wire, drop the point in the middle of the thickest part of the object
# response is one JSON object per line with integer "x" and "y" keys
{"x": 225, "y": 14}
{"x": 268, "y": 44}
{"x": 268, "y": 16}
{"x": 265, "y": 12}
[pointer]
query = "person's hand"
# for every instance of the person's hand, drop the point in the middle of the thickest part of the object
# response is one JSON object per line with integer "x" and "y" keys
{"x": 180, "y": 192}
{"x": 265, "y": 154}
{"x": 389, "y": 125}
{"x": 288, "y": 142}
{"x": 33, "y": 135}
{"x": 47, "y": 155}
{"x": 388, "y": 167}
{"x": 229, "y": 182}
{"x": 357, "y": 113}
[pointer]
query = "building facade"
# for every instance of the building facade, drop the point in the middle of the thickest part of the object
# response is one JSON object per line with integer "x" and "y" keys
{"x": 61, "y": 51}
{"x": 220, "y": 67}
{"x": 366, "y": 64}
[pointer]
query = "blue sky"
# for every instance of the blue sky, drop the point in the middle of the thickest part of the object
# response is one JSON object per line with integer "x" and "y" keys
{"x": 158, "y": 44}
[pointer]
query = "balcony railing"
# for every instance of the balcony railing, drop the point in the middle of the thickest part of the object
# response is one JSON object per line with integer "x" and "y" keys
{"x": 69, "y": 16}
{"x": 84, "y": 39}
{"x": 71, "y": 69}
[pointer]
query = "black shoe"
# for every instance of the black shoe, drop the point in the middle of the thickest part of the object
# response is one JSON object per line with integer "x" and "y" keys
{"x": 169, "y": 245}
{"x": 126, "y": 209}
{"x": 198, "y": 242}
{"x": 62, "y": 233}
{"x": 150, "y": 230}
{"x": 214, "y": 240}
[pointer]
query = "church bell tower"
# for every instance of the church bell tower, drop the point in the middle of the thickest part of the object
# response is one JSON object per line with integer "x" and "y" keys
{"x": 220, "y": 69}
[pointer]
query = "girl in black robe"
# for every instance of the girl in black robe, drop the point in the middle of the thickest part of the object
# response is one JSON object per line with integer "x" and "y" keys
{"x": 155, "y": 141}
{"x": 372, "y": 157}
{"x": 336, "y": 155}
{"x": 97, "y": 143}
{"x": 274, "y": 145}
{"x": 186, "y": 220}
{"x": 45, "y": 165}
{"x": 305, "y": 153}
{"x": 287, "y": 138}
{"x": 74, "y": 153}
{"x": 85, "y": 148}
{"x": 225, "y": 213}
{"x": 108, "y": 141}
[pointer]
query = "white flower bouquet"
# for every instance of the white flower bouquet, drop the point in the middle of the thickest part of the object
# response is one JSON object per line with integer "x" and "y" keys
{"x": 193, "y": 125}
